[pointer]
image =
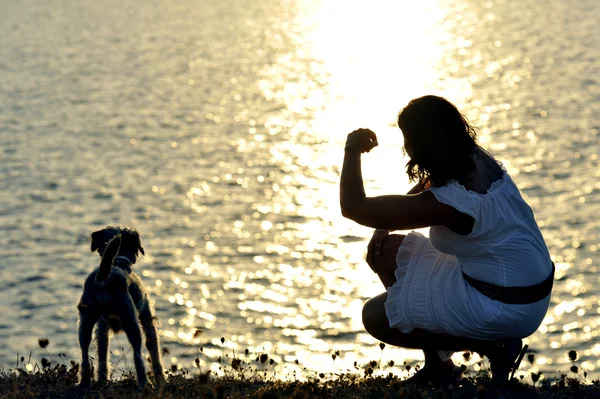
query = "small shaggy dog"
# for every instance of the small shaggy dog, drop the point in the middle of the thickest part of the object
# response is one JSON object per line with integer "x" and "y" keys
{"x": 114, "y": 298}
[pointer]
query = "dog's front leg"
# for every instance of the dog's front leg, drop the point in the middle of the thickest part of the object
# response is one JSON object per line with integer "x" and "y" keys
{"x": 87, "y": 319}
{"x": 102, "y": 340}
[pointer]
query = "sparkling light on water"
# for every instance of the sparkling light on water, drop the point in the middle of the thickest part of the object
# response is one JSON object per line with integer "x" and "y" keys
{"x": 219, "y": 134}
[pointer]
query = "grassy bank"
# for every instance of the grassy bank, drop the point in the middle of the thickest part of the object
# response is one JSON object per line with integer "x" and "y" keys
{"x": 59, "y": 381}
{"x": 252, "y": 376}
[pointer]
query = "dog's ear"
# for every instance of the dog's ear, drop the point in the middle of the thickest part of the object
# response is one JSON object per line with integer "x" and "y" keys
{"x": 96, "y": 239}
{"x": 138, "y": 242}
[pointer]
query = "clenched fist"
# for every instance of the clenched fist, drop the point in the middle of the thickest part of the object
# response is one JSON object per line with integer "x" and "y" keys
{"x": 361, "y": 140}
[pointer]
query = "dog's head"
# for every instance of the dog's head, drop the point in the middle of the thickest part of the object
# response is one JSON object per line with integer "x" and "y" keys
{"x": 131, "y": 244}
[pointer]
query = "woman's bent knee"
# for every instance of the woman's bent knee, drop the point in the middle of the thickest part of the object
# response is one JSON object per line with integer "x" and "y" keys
{"x": 374, "y": 317}
{"x": 385, "y": 263}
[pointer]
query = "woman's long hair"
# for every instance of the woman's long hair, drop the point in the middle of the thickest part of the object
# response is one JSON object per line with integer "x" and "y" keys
{"x": 441, "y": 141}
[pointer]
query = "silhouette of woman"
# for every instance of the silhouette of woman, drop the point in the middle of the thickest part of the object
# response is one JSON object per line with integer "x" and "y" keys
{"x": 482, "y": 280}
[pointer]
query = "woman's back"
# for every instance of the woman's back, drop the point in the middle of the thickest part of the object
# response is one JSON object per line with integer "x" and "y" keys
{"x": 505, "y": 246}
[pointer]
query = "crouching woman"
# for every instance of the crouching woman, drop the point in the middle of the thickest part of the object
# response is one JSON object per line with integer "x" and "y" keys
{"x": 483, "y": 278}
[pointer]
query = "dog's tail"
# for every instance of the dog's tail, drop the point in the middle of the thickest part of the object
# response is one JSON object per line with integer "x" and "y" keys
{"x": 111, "y": 251}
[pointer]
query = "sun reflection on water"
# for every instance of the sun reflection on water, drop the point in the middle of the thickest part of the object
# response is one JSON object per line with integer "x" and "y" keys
{"x": 232, "y": 131}
{"x": 315, "y": 280}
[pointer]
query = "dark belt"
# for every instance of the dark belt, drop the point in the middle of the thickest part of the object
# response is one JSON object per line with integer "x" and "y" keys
{"x": 514, "y": 295}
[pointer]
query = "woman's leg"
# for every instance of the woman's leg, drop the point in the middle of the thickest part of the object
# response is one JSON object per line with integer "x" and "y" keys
{"x": 384, "y": 264}
{"x": 375, "y": 318}
{"x": 504, "y": 355}
{"x": 377, "y": 324}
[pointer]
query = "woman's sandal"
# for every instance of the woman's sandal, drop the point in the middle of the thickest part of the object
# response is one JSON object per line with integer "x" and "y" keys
{"x": 505, "y": 357}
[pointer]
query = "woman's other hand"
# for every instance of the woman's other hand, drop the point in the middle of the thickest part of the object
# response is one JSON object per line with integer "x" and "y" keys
{"x": 361, "y": 140}
{"x": 375, "y": 246}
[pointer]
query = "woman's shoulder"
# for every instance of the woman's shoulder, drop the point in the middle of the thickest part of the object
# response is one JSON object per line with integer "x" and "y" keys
{"x": 488, "y": 176}
{"x": 467, "y": 193}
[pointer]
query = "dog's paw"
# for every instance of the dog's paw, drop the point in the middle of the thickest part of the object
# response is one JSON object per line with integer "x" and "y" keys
{"x": 85, "y": 383}
{"x": 102, "y": 381}
{"x": 144, "y": 383}
{"x": 160, "y": 378}
{"x": 146, "y": 388}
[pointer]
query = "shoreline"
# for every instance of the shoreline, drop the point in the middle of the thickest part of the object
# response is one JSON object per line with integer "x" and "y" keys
{"x": 254, "y": 378}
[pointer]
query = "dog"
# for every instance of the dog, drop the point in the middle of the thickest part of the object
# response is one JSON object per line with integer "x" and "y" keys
{"x": 114, "y": 298}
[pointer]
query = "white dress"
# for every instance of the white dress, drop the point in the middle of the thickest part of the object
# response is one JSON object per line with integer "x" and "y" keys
{"x": 505, "y": 248}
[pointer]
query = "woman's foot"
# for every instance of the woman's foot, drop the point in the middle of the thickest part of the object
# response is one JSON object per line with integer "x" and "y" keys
{"x": 505, "y": 357}
{"x": 441, "y": 374}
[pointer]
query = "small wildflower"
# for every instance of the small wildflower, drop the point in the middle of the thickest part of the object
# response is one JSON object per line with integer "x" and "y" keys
{"x": 531, "y": 358}
{"x": 391, "y": 363}
{"x": 535, "y": 377}
{"x": 467, "y": 356}
{"x": 45, "y": 362}
{"x": 381, "y": 345}
{"x": 574, "y": 369}
{"x": 271, "y": 362}
{"x": 572, "y": 355}
{"x": 197, "y": 333}
{"x": 321, "y": 375}
{"x": 263, "y": 357}
{"x": 246, "y": 351}
{"x": 197, "y": 361}
{"x": 165, "y": 351}
{"x": 333, "y": 356}
{"x": 173, "y": 368}
{"x": 296, "y": 361}
{"x": 373, "y": 363}
{"x": 236, "y": 364}
{"x": 43, "y": 342}
{"x": 222, "y": 340}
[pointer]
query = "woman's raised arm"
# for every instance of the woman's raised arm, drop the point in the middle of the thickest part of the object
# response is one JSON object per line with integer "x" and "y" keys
{"x": 388, "y": 212}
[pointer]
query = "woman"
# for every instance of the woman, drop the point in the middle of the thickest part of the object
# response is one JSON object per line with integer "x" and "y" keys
{"x": 482, "y": 279}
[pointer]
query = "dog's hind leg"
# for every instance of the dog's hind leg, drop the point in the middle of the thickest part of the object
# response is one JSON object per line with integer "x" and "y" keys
{"x": 131, "y": 327}
{"x": 102, "y": 340}
{"x": 87, "y": 319}
{"x": 152, "y": 341}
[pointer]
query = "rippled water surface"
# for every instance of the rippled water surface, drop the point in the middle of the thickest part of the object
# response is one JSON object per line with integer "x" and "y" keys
{"x": 216, "y": 128}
